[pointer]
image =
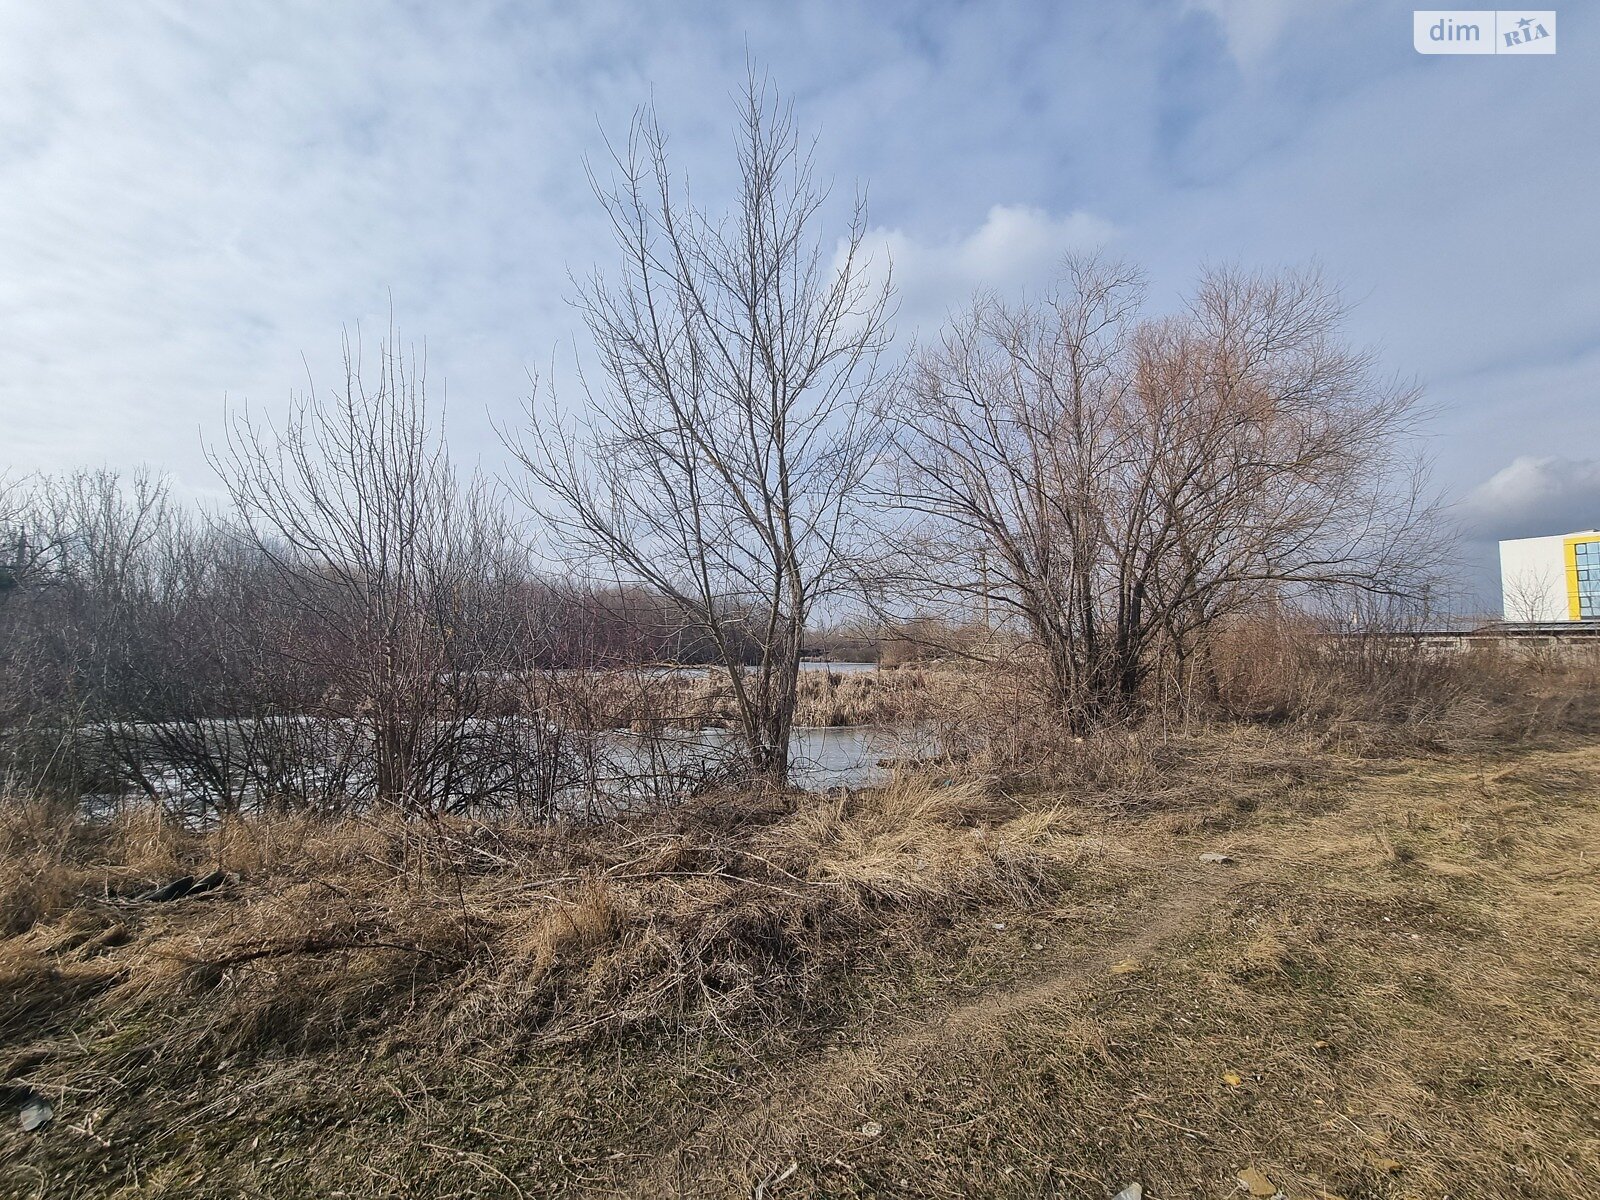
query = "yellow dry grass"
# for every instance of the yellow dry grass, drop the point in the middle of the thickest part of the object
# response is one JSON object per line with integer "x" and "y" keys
{"x": 946, "y": 987}
{"x": 646, "y": 700}
{"x": 493, "y": 937}
{"x": 1340, "y": 1018}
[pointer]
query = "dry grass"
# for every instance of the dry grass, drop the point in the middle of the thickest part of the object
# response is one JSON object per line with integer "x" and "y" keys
{"x": 49, "y": 859}
{"x": 646, "y": 700}
{"x": 494, "y": 943}
{"x": 1348, "y": 1022}
{"x": 1372, "y": 698}
{"x": 897, "y": 696}
{"x": 1023, "y": 985}
{"x": 1382, "y": 694}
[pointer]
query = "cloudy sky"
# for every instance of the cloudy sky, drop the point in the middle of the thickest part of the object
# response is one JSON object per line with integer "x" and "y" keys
{"x": 195, "y": 198}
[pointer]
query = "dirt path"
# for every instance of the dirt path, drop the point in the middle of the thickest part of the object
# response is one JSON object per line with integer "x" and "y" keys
{"x": 1316, "y": 1010}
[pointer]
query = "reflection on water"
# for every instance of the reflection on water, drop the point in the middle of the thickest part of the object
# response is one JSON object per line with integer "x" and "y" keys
{"x": 329, "y": 765}
{"x": 854, "y": 757}
{"x": 820, "y": 757}
{"x": 809, "y": 664}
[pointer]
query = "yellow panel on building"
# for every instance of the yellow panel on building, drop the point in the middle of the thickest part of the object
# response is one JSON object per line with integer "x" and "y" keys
{"x": 1574, "y": 597}
{"x": 1575, "y": 584}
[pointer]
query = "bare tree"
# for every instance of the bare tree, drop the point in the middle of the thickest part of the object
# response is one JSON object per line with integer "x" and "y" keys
{"x": 1527, "y": 596}
{"x": 81, "y": 553}
{"x": 17, "y": 548}
{"x": 720, "y": 464}
{"x": 376, "y": 547}
{"x": 1120, "y": 484}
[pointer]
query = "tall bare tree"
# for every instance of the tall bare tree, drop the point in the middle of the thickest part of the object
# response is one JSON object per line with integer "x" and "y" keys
{"x": 1120, "y": 484}
{"x": 721, "y": 460}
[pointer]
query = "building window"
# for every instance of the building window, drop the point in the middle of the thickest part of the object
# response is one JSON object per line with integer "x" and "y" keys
{"x": 1586, "y": 556}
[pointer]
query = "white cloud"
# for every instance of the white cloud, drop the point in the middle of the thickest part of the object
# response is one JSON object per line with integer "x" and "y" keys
{"x": 1251, "y": 27}
{"x": 1016, "y": 247}
{"x": 192, "y": 195}
{"x": 1533, "y": 497}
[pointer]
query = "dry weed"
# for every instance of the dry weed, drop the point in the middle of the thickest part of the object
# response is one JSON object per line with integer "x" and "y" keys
{"x": 1014, "y": 987}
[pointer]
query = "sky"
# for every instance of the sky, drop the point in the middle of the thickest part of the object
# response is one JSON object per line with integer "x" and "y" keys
{"x": 195, "y": 199}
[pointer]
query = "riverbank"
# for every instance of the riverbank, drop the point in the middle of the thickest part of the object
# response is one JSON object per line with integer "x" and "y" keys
{"x": 944, "y": 988}
{"x": 830, "y": 695}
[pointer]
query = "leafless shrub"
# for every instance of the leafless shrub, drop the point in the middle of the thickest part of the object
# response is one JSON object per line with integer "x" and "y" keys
{"x": 1385, "y": 683}
{"x": 386, "y": 562}
{"x": 1112, "y": 486}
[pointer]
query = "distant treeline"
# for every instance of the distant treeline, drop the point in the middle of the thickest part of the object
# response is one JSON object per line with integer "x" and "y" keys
{"x": 140, "y": 620}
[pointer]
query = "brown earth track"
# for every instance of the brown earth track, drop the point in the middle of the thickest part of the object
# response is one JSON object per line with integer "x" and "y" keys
{"x": 814, "y": 1108}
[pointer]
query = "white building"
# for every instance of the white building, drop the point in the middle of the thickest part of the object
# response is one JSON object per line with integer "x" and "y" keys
{"x": 1553, "y": 578}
